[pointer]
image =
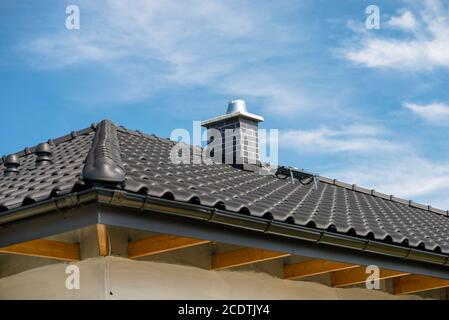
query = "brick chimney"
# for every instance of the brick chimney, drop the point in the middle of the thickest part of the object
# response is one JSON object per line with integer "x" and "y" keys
{"x": 237, "y": 130}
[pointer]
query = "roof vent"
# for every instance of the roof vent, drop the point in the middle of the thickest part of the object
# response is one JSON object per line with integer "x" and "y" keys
{"x": 236, "y": 105}
{"x": 43, "y": 153}
{"x": 12, "y": 164}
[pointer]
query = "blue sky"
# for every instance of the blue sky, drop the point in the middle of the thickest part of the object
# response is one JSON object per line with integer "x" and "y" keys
{"x": 369, "y": 107}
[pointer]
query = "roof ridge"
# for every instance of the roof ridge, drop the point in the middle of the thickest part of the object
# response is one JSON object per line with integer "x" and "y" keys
{"x": 55, "y": 141}
{"x": 104, "y": 162}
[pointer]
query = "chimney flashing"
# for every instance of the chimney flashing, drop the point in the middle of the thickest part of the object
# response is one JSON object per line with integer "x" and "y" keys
{"x": 242, "y": 114}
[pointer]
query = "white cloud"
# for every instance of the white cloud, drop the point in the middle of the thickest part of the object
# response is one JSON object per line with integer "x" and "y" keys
{"x": 190, "y": 42}
{"x": 357, "y": 139}
{"x": 56, "y": 52}
{"x": 405, "y": 21}
{"x": 390, "y": 53}
{"x": 280, "y": 98}
{"x": 405, "y": 175}
{"x": 374, "y": 161}
{"x": 425, "y": 50}
{"x": 356, "y": 26}
{"x": 434, "y": 112}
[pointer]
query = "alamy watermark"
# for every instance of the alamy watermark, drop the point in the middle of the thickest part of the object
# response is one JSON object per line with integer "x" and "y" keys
{"x": 234, "y": 146}
{"x": 372, "y": 281}
{"x": 72, "y": 281}
{"x": 72, "y": 21}
{"x": 373, "y": 17}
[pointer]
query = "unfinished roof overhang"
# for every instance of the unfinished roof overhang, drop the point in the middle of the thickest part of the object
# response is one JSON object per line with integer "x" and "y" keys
{"x": 121, "y": 209}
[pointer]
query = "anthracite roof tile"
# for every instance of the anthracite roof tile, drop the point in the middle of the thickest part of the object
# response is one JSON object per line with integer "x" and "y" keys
{"x": 117, "y": 157}
{"x": 35, "y": 182}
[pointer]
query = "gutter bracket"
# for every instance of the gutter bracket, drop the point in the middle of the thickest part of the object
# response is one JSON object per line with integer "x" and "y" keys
{"x": 269, "y": 223}
{"x": 117, "y": 198}
{"x": 213, "y": 212}
{"x": 321, "y": 236}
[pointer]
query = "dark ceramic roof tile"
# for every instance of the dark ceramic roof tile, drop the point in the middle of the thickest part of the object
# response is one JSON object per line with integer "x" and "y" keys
{"x": 34, "y": 183}
{"x": 117, "y": 157}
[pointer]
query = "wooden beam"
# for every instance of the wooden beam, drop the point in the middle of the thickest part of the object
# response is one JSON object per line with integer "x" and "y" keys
{"x": 243, "y": 256}
{"x": 103, "y": 247}
{"x": 46, "y": 249}
{"x": 314, "y": 267}
{"x": 416, "y": 283}
{"x": 358, "y": 275}
{"x": 159, "y": 244}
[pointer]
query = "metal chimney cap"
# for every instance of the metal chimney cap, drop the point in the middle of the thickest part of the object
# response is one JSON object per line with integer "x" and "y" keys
{"x": 236, "y": 108}
{"x": 236, "y": 105}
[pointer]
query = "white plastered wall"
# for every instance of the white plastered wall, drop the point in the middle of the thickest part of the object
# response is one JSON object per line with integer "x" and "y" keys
{"x": 120, "y": 278}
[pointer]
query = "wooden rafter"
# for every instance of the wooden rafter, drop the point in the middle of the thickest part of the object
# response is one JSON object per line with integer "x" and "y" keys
{"x": 416, "y": 283}
{"x": 359, "y": 275}
{"x": 46, "y": 249}
{"x": 103, "y": 247}
{"x": 159, "y": 244}
{"x": 313, "y": 267}
{"x": 243, "y": 256}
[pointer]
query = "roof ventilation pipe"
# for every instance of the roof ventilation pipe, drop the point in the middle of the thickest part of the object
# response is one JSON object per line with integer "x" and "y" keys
{"x": 12, "y": 164}
{"x": 43, "y": 153}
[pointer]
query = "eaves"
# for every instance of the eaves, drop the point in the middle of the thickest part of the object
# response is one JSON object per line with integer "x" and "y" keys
{"x": 122, "y": 209}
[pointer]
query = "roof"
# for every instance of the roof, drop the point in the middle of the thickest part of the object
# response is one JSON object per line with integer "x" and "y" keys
{"x": 114, "y": 157}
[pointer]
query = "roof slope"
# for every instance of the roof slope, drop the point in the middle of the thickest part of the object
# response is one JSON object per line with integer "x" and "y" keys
{"x": 119, "y": 158}
{"x": 35, "y": 182}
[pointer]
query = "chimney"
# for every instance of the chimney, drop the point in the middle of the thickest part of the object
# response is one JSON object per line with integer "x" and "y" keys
{"x": 237, "y": 130}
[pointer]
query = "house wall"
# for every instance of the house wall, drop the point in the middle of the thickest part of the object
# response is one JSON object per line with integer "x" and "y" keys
{"x": 121, "y": 278}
